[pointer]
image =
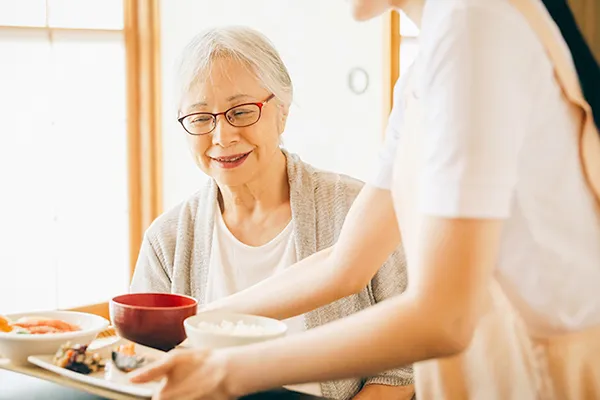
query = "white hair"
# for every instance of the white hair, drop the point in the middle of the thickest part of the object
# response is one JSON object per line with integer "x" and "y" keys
{"x": 246, "y": 45}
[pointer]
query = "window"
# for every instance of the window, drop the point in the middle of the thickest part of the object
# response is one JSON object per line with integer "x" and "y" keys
{"x": 63, "y": 154}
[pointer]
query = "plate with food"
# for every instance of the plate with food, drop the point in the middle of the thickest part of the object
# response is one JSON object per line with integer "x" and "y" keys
{"x": 22, "y": 335}
{"x": 106, "y": 367}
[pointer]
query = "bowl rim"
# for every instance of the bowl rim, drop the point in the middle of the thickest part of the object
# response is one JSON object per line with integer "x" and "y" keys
{"x": 283, "y": 328}
{"x": 102, "y": 324}
{"x": 194, "y": 304}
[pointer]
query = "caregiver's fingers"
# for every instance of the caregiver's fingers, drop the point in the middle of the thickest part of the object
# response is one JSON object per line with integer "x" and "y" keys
{"x": 161, "y": 367}
{"x": 153, "y": 371}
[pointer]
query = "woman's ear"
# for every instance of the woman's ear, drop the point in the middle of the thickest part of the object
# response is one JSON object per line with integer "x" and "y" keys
{"x": 282, "y": 118}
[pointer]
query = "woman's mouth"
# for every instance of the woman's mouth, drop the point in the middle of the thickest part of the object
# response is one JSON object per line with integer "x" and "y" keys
{"x": 232, "y": 161}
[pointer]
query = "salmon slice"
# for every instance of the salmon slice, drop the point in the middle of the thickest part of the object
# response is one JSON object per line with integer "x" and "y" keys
{"x": 40, "y": 330}
{"x": 57, "y": 325}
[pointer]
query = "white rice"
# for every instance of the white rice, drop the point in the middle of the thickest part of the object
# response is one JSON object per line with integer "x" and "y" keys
{"x": 234, "y": 329}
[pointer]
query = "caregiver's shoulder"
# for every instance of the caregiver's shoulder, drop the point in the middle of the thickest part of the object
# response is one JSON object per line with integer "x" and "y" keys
{"x": 447, "y": 7}
{"x": 464, "y": 43}
{"x": 473, "y": 15}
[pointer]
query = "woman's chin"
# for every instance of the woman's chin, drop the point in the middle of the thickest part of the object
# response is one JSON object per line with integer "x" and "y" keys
{"x": 231, "y": 178}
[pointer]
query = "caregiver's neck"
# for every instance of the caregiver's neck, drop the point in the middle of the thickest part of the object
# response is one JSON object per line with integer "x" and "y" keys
{"x": 412, "y": 8}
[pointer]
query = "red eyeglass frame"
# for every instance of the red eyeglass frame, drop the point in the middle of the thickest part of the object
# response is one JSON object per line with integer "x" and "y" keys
{"x": 260, "y": 106}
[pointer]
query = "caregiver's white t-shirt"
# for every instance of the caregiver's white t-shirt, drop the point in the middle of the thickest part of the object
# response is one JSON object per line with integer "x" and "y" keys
{"x": 501, "y": 143}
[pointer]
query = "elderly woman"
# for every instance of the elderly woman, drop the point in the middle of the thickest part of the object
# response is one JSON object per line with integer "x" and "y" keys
{"x": 264, "y": 209}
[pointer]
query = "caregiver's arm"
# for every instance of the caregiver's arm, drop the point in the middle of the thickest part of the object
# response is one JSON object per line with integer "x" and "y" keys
{"x": 434, "y": 318}
{"x": 369, "y": 235}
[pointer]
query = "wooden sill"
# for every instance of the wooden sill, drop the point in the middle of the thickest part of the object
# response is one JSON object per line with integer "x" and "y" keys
{"x": 100, "y": 309}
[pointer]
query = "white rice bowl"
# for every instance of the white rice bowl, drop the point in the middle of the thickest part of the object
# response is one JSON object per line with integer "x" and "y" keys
{"x": 217, "y": 329}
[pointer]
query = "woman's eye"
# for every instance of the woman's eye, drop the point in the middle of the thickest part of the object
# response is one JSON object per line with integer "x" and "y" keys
{"x": 200, "y": 119}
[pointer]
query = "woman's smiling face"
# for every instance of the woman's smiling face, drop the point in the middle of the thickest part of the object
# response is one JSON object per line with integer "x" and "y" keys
{"x": 233, "y": 155}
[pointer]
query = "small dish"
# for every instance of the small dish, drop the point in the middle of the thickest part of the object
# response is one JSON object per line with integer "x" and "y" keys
{"x": 110, "y": 377}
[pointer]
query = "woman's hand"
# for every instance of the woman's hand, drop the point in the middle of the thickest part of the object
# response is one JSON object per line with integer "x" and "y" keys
{"x": 189, "y": 374}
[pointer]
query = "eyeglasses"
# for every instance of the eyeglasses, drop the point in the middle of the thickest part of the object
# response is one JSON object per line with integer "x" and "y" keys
{"x": 240, "y": 116}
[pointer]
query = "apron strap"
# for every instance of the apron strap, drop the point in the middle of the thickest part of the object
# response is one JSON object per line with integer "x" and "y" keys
{"x": 542, "y": 24}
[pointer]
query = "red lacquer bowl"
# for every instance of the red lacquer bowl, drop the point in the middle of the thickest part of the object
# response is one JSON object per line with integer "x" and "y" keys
{"x": 152, "y": 319}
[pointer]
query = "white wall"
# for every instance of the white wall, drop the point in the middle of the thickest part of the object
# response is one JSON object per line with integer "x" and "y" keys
{"x": 329, "y": 125}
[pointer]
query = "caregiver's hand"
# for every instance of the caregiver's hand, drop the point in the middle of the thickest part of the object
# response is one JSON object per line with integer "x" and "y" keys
{"x": 189, "y": 374}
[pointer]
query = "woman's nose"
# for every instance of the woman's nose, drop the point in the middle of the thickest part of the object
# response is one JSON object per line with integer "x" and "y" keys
{"x": 224, "y": 134}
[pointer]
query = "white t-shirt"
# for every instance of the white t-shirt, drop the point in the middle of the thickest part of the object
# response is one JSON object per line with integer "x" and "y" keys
{"x": 501, "y": 143}
{"x": 235, "y": 266}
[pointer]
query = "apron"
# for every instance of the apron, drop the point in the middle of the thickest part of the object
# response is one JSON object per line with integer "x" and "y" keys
{"x": 504, "y": 361}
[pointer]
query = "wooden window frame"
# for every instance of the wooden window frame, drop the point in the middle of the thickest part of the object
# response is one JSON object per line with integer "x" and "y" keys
{"x": 141, "y": 32}
{"x": 142, "y": 41}
{"x": 391, "y": 60}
